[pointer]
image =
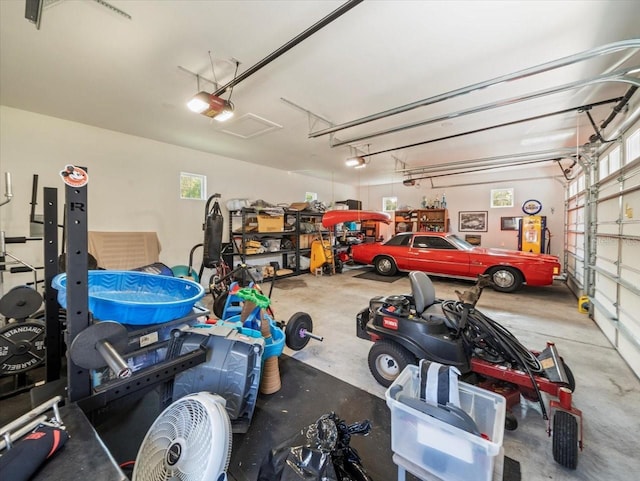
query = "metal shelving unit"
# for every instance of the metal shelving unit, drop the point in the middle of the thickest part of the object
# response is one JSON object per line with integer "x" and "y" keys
{"x": 293, "y": 243}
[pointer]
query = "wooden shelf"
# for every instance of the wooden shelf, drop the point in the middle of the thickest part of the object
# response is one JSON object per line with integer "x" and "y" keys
{"x": 422, "y": 220}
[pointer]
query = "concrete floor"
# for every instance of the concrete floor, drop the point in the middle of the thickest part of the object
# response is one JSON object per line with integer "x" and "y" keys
{"x": 607, "y": 392}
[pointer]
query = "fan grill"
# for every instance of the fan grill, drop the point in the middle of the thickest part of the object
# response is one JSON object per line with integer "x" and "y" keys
{"x": 180, "y": 444}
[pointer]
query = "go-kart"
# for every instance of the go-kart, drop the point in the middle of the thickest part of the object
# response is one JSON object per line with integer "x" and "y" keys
{"x": 407, "y": 328}
{"x": 295, "y": 333}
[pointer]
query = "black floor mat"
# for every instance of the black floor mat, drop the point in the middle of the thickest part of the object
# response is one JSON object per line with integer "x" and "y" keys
{"x": 374, "y": 276}
{"x": 306, "y": 394}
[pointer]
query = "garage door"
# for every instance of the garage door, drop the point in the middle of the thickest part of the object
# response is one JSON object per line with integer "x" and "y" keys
{"x": 616, "y": 238}
{"x": 574, "y": 236}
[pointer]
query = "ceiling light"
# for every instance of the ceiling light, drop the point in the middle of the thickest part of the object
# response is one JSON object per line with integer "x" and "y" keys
{"x": 226, "y": 113}
{"x": 211, "y": 106}
{"x": 360, "y": 166}
{"x": 357, "y": 162}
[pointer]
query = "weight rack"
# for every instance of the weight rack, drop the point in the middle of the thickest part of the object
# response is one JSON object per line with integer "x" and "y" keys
{"x": 79, "y": 383}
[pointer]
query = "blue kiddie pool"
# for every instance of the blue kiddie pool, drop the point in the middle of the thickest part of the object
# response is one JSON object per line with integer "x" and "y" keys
{"x": 131, "y": 297}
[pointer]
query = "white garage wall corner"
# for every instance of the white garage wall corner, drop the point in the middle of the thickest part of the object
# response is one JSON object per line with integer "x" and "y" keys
{"x": 133, "y": 182}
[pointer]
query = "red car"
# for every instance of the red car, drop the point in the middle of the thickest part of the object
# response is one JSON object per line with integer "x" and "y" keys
{"x": 447, "y": 255}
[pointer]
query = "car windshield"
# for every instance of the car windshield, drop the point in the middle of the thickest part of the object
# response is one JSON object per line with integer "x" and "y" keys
{"x": 459, "y": 243}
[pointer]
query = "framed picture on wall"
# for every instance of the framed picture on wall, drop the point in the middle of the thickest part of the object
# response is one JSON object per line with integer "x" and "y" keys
{"x": 509, "y": 223}
{"x": 473, "y": 239}
{"x": 501, "y": 198}
{"x": 472, "y": 221}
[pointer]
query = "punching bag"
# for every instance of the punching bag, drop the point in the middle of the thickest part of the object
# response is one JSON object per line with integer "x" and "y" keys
{"x": 213, "y": 225}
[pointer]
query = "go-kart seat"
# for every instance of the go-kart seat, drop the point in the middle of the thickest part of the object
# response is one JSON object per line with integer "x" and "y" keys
{"x": 424, "y": 297}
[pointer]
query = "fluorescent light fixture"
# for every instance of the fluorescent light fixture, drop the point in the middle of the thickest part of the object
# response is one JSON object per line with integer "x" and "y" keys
{"x": 357, "y": 162}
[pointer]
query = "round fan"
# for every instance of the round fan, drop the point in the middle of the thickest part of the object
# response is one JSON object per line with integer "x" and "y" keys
{"x": 190, "y": 441}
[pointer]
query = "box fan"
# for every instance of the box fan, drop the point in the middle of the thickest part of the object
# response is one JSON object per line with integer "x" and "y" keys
{"x": 190, "y": 440}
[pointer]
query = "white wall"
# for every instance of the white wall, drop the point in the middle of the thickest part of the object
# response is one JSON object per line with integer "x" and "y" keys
{"x": 133, "y": 183}
{"x": 471, "y": 193}
{"x": 134, "y": 186}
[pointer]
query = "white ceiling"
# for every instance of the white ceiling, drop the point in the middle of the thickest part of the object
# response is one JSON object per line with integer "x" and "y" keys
{"x": 92, "y": 65}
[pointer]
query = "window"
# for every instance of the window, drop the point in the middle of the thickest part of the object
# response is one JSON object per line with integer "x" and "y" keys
{"x": 431, "y": 242}
{"x": 614, "y": 160}
{"x": 389, "y": 203}
{"x": 193, "y": 186}
{"x": 399, "y": 240}
{"x": 633, "y": 146}
{"x": 603, "y": 167}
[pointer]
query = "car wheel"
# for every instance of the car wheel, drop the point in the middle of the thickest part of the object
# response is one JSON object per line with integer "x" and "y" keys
{"x": 506, "y": 279}
{"x": 387, "y": 360}
{"x": 385, "y": 266}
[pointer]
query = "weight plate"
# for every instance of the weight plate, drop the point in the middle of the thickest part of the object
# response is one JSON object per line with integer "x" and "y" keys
{"x": 21, "y": 346}
{"x": 298, "y": 325}
{"x": 20, "y": 302}
{"x": 83, "y": 348}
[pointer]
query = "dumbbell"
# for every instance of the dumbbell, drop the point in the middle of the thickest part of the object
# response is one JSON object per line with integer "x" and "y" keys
{"x": 99, "y": 345}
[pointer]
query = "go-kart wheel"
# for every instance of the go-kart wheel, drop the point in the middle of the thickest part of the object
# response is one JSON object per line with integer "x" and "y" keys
{"x": 296, "y": 329}
{"x": 510, "y": 421}
{"x": 506, "y": 279}
{"x": 385, "y": 266}
{"x": 219, "y": 303}
{"x": 387, "y": 359}
{"x": 565, "y": 439}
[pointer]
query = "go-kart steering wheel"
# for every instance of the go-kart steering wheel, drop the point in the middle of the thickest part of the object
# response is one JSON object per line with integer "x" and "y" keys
{"x": 254, "y": 296}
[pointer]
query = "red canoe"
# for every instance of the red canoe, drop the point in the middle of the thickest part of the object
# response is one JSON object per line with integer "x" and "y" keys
{"x": 333, "y": 217}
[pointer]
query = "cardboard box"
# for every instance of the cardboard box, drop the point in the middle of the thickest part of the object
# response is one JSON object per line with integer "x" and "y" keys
{"x": 305, "y": 240}
{"x": 269, "y": 223}
{"x": 124, "y": 250}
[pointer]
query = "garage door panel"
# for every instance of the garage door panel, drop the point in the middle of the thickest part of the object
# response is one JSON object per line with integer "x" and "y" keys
{"x": 606, "y": 292}
{"x": 632, "y": 179}
{"x": 606, "y": 258}
{"x": 629, "y": 351}
{"x": 630, "y": 214}
{"x": 631, "y": 229}
{"x": 610, "y": 188}
{"x": 575, "y": 269}
{"x": 630, "y": 276}
{"x": 629, "y": 321}
{"x": 608, "y": 210}
{"x": 603, "y": 320}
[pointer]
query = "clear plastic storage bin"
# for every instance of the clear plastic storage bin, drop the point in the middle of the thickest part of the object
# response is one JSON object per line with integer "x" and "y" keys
{"x": 439, "y": 448}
